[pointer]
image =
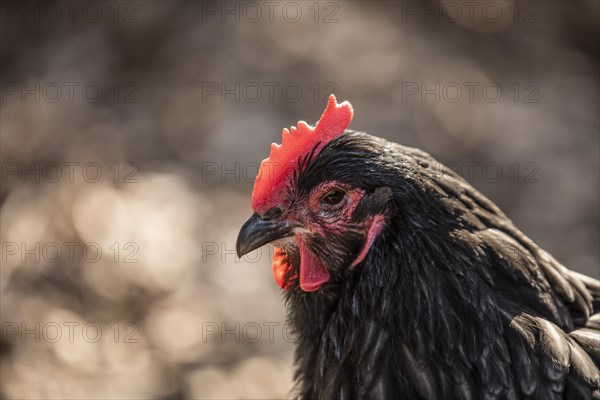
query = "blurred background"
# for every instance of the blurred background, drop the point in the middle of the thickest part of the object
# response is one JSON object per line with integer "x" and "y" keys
{"x": 131, "y": 133}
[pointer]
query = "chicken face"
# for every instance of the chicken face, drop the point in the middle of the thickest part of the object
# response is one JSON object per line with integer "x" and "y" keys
{"x": 316, "y": 235}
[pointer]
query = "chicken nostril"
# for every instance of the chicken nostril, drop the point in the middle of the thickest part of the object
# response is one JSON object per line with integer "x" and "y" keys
{"x": 272, "y": 214}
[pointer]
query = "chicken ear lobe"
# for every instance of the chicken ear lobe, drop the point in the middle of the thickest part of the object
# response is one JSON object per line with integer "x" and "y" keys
{"x": 375, "y": 228}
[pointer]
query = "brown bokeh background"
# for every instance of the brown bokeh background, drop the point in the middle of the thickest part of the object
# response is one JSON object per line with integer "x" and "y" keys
{"x": 175, "y": 102}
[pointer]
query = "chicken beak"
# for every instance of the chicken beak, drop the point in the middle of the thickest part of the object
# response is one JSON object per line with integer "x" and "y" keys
{"x": 257, "y": 232}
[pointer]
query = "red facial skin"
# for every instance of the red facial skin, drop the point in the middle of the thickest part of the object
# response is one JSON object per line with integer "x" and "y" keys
{"x": 332, "y": 215}
{"x": 319, "y": 215}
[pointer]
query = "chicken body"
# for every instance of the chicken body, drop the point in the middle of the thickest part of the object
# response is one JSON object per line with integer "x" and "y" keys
{"x": 446, "y": 300}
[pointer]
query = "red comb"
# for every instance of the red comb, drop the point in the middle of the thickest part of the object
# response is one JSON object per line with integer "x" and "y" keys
{"x": 296, "y": 143}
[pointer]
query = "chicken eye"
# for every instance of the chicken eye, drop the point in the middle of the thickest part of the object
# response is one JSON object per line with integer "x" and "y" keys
{"x": 333, "y": 199}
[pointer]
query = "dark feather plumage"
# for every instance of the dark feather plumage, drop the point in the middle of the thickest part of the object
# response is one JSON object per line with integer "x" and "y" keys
{"x": 452, "y": 301}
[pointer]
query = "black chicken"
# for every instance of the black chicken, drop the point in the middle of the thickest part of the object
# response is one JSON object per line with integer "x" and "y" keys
{"x": 403, "y": 281}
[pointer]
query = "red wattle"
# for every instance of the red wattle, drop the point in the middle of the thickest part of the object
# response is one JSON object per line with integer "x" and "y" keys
{"x": 312, "y": 272}
{"x": 280, "y": 268}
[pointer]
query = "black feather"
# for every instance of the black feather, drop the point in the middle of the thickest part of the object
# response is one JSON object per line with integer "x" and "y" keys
{"x": 451, "y": 302}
